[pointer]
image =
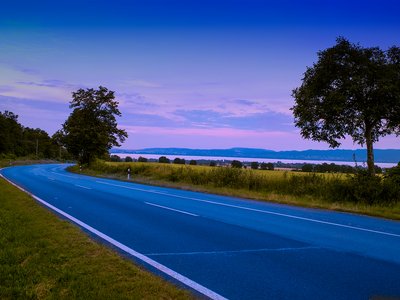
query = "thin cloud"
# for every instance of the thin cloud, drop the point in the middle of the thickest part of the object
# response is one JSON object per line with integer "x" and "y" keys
{"x": 245, "y": 102}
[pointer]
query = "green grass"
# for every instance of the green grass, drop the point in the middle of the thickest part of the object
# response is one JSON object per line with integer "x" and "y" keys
{"x": 326, "y": 191}
{"x": 43, "y": 257}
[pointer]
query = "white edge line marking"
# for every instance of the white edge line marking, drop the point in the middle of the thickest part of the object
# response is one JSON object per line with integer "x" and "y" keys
{"x": 173, "y": 209}
{"x": 177, "y": 276}
{"x": 257, "y": 210}
{"x": 84, "y": 187}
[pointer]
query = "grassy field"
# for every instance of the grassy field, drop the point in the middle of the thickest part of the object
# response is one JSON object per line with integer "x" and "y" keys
{"x": 327, "y": 191}
{"x": 43, "y": 257}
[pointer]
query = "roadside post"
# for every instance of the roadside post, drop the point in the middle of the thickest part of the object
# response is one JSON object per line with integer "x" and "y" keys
{"x": 129, "y": 173}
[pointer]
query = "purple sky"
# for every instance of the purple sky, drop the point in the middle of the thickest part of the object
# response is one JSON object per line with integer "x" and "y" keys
{"x": 195, "y": 74}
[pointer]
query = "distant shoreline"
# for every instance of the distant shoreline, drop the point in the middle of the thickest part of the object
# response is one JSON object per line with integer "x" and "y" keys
{"x": 246, "y": 159}
{"x": 383, "y": 157}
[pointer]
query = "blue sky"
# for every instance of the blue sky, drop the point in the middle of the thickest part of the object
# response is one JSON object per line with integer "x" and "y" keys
{"x": 199, "y": 74}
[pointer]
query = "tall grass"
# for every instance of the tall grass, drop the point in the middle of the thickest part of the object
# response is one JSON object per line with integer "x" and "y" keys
{"x": 327, "y": 187}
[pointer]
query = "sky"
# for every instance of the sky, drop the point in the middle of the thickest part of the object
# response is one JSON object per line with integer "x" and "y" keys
{"x": 194, "y": 74}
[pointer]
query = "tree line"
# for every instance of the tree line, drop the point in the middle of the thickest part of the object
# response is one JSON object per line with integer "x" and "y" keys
{"x": 17, "y": 140}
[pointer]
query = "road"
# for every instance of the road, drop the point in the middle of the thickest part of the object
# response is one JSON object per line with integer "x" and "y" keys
{"x": 225, "y": 247}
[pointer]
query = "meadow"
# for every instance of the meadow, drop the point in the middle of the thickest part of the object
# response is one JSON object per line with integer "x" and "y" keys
{"x": 351, "y": 193}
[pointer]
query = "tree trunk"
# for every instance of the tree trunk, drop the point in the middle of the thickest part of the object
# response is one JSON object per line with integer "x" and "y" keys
{"x": 370, "y": 151}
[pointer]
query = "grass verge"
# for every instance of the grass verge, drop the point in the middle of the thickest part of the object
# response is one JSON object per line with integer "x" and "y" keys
{"x": 313, "y": 190}
{"x": 43, "y": 257}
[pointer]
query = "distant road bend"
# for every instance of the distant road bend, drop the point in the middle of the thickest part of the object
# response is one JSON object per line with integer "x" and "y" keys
{"x": 223, "y": 247}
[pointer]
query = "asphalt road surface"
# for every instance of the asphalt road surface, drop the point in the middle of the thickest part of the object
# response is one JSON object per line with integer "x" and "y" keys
{"x": 225, "y": 247}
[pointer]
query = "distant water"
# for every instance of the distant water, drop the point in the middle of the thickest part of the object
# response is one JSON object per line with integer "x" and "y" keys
{"x": 247, "y": 159}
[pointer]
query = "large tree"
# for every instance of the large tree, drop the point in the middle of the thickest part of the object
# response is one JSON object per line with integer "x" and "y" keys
{"x": 91, "y": 129}
{"x": 351, "y": 91}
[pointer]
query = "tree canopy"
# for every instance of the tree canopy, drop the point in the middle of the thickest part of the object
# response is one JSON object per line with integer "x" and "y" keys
{"x": 164, "y": 160}
{"x": 17, "y": 140}
{"x": 91, "y": 129}
{"x": 236, "y": 164}
{"x": 351, "y": 91}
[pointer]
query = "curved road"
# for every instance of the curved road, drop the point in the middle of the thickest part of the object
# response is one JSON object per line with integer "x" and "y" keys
{"x": 224, "y": 246}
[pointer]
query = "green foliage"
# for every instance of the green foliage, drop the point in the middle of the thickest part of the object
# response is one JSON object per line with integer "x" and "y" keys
{"x": 307, "y": 168}
{"x": 236, "y": 164}
{"x": 366, "y": 188}
{"x": 352, "y": 91}
{"x": 19, "y": 141}
{"x": 91, "y": 129}
{"x": 254, "y": 165}
{"x": 193, "y": 162}
{"x": 179, "y": 161}
{"x": 164, "y": 160}
{"x": 359, "y": 188}
{"x": 128, "y": 159}
{"x": 393, "y": 174}
{"x": 267, "y": 166}
{"x": 270, "y": 166}
{"x": 334, "y": 168}
{"x": 115, "y": 158}
{"x": 142, "y": 159}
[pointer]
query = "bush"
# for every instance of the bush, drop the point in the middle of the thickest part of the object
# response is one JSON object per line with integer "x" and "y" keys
{"x": 254, "y": 165}
{"x": 115, "y": 158}
{"x": 307, "y": 168}
{"x": 236, "y": 164}
{"x": 164, "y": 160}
{"x": 356, "y": 188}
{"x": 393, "y": 174}
{"x": 179, "y": 161}
{"x": 142, "y": 159}
{"x": 128, "y": 159}
{"x": 193, "y": 162}
{"x": 366, "y": 188}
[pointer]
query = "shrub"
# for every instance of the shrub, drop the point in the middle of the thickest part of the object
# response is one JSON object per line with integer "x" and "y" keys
{"x": 393, "y": 174}
{"x": 179, "y": 161}
{"x": 142, "y": 159}
{"x": 254, "y": 165}
{"x": 356, "y": 188}
{"x": 164, "y": 160}
{"x": 115, "y": 158}
{"x": 307, "y": 168}
{"x": 236, "y": 164}
{"x": 366, "y": 188}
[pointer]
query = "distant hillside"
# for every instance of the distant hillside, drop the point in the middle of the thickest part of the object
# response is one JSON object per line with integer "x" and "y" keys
{"x": 381, "y": 155}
